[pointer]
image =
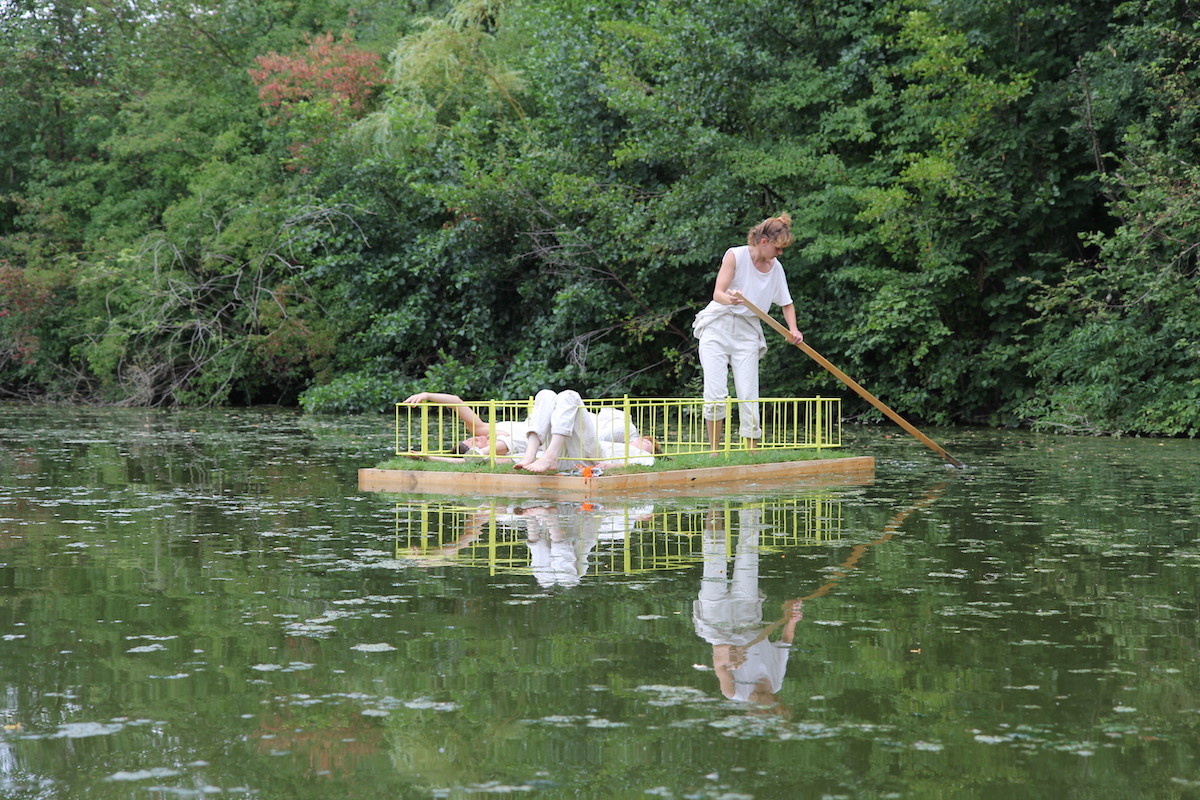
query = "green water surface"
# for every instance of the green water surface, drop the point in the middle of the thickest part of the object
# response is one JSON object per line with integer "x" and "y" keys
{"x": 203, "y": 604}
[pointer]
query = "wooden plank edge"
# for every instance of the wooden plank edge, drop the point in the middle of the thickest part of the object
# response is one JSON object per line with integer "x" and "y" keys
{"x": 492, "y": 483}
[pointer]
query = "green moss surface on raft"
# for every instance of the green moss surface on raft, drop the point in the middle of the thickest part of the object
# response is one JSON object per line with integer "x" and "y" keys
{"x": 661, "y": 464}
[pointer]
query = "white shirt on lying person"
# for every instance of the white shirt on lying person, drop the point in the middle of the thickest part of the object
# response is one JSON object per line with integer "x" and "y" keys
{"x": 619, "y": 454}
{"x": 614, "y": 425}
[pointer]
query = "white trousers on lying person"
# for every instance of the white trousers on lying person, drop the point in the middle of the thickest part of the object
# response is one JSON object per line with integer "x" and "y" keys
{"x": 563, "y": 413}
{"x": 731, "y": 343}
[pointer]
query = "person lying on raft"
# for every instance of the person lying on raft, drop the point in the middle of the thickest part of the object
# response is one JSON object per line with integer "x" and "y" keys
{"x": 558, "y": 432}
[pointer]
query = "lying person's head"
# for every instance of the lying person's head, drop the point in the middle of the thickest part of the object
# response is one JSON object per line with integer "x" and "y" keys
{"x": 647, "y": 443}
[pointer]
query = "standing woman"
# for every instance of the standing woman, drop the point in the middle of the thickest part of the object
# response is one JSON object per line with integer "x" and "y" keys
{"x": 731, "y": 337}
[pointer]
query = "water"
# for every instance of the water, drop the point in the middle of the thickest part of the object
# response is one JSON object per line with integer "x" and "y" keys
{"x": 203, "y": 605}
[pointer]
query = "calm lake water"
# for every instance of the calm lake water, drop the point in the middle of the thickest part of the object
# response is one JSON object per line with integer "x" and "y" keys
{"x": 204, "y": 605}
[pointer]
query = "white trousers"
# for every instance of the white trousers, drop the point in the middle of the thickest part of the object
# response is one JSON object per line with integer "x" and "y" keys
{"x": 729, "y": 608}
{"x": 563, "y": 413}
{"x": 730, "y": 343}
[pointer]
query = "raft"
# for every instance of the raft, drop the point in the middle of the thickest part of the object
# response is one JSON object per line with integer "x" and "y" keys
{"x": 809, "y": 424}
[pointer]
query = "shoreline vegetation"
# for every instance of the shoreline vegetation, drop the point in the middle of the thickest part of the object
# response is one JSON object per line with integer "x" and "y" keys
{"x": 333, "y": 204}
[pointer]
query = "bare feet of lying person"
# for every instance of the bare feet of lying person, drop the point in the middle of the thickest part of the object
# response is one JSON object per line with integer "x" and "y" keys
{"x": 548, "y": 460}
{"x": 532, "y": 445}
{"x": 546, "y": 463}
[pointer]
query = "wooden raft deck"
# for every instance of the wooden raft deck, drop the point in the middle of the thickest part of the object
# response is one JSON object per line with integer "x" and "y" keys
{"x": 703, "y": 480}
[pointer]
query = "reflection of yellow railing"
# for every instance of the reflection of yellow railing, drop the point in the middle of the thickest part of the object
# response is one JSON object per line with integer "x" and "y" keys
{"x": 622, "y": 540}
{"x": 677, "y": 424}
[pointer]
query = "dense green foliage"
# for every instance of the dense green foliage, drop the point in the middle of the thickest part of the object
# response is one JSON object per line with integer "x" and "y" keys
{"x": 336, "y": 204}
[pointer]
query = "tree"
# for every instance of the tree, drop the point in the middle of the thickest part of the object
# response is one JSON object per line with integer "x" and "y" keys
{"x": 1117, "y": 347}
{"x": 317, "y": 93}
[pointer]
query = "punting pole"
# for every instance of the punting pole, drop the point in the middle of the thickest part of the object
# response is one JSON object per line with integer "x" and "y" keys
{"x": 846, "y": 379}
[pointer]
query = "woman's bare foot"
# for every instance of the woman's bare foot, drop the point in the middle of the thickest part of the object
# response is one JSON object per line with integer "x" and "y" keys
{"x": 543, "y": 464}
{"x": 533, "y": 443}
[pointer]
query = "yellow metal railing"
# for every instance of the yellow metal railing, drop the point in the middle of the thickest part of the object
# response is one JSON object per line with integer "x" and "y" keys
{"x": 588, "y": 538}
{"x": 677, "y": 424}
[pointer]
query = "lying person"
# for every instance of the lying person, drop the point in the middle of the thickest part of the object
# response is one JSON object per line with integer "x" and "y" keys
{"x": 558, "y": 430}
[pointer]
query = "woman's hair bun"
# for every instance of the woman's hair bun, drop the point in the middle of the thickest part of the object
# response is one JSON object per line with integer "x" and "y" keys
{"x": 777, "y": 230}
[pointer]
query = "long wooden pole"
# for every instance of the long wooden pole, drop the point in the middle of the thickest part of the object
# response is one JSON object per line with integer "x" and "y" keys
{"x": 851, "y": 562}
{"x": 846, "y": 379}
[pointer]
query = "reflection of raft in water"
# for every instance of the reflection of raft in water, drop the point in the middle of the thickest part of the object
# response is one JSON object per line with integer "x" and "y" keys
{"x": 563, "y": 540}
{"x": 811, "y": 425}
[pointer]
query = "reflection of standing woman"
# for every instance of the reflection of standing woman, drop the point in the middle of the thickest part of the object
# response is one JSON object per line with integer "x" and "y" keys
{"x": 727, "y": 613}
{"x": 731, "y": 337}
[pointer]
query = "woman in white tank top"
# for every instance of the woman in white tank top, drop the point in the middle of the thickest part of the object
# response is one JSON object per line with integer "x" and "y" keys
{"x": 731, "y": 337}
